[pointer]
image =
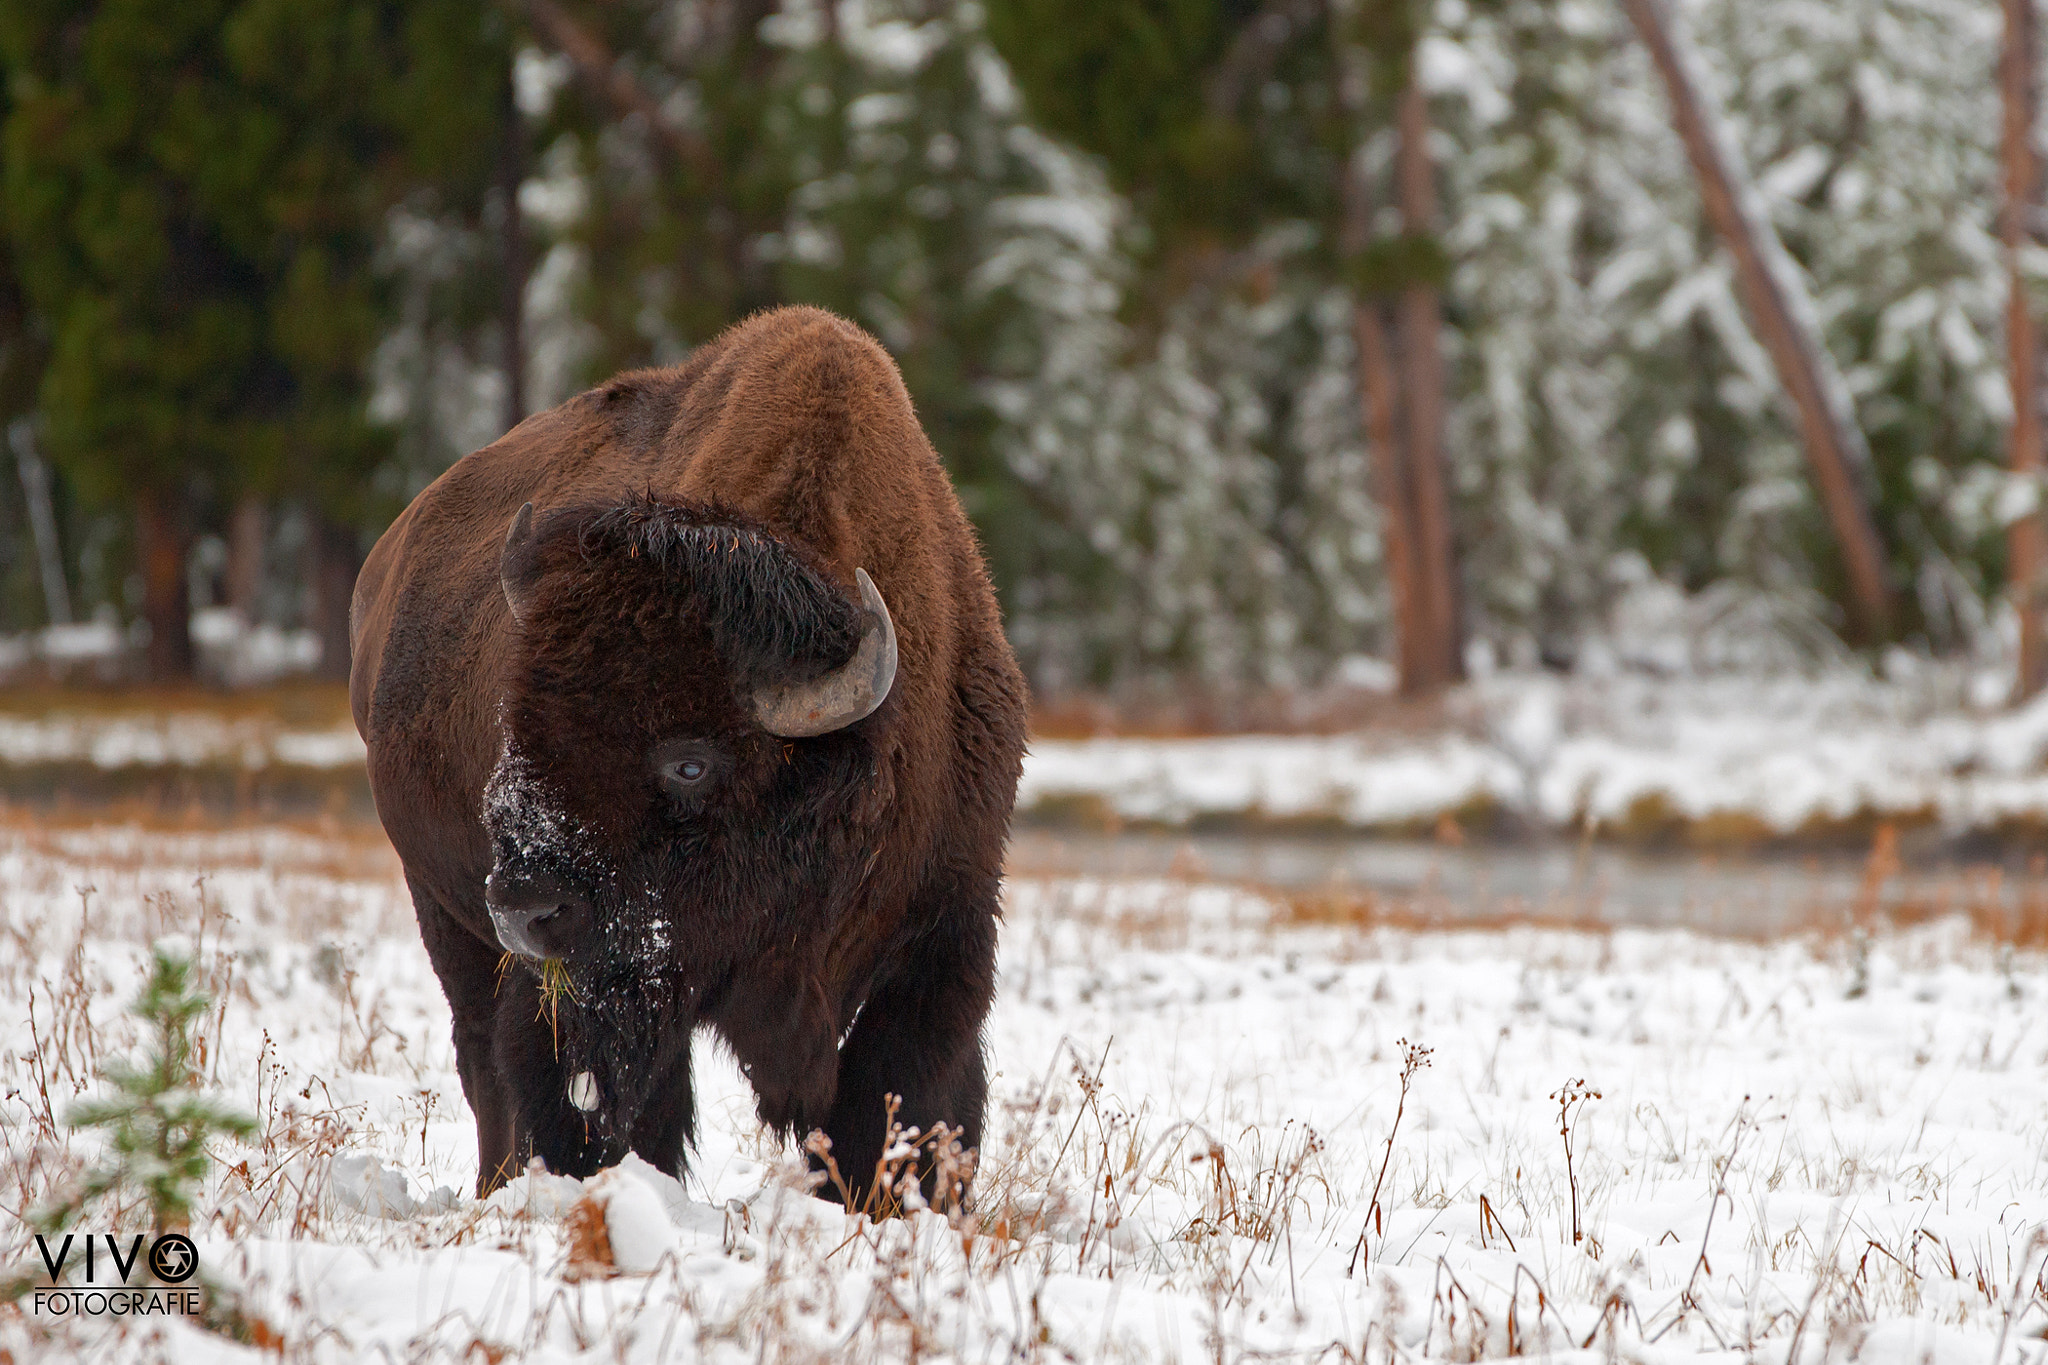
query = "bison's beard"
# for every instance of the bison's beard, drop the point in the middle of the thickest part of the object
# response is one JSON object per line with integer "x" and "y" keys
{"x": 624, "y": 1017}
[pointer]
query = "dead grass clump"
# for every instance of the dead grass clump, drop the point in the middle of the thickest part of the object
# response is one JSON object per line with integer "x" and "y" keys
{"x": 916, "y": 1171}
{"x": 1357, "y": 908}
{"x": 1342, "y": 907}
{"x": 1089, "y": 811}
{"x": 1999, "y": 907}
{"x": 589, "y": 1243}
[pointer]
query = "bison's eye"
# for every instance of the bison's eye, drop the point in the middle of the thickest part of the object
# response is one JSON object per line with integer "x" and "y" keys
{"x": 686, "y": 770}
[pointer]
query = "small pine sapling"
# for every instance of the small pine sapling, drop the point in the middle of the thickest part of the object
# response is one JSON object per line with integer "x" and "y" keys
{"x": 157, "y": 1119}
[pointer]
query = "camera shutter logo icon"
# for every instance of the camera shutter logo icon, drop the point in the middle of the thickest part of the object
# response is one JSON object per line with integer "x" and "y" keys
{"x": 173, "y": 1258}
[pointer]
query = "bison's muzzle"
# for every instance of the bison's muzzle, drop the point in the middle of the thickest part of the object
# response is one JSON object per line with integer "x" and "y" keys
{"x": 538, "y": 916}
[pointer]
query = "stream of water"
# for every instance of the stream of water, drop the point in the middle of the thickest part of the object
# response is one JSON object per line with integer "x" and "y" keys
{"x": 1717, "y": 893}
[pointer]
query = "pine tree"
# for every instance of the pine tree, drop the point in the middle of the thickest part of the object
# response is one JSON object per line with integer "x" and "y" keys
{"x": 194, "y": 196}
{"x": 1277, "y": 102}
{"x": 157, "y": 1118}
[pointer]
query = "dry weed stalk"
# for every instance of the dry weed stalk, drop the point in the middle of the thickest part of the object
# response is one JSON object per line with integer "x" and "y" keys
{"x": 1413, "y": 1059}
{"x": 1445, "y": 1292}
{"x": 2036, "y": 1242}
{"x": 1686, "y": 1301}
{"x": 1572, "y": 1099}
{"x": 911, "y": 1163}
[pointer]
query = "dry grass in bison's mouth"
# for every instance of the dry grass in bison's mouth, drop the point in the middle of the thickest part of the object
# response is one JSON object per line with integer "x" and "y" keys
{"x": 556, "y": 986}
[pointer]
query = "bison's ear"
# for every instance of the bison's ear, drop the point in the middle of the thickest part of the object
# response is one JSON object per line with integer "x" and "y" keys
{"x": 848, "y": 693}
{"x": 517, "y": 567}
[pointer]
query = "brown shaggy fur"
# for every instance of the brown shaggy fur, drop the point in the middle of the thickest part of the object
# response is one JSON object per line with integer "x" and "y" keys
{"x": 828, "y": 905}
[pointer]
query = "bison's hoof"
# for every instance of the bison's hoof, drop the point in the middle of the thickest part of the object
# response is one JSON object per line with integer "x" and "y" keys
{"x": 798, "y": 1102}
{"x": 583, "y": 1091}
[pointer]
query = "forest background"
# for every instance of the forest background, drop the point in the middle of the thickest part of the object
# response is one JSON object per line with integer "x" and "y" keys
{"x": 1268, "y": 344}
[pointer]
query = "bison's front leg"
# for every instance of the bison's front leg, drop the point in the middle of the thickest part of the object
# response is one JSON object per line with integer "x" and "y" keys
{"x": 919, "y": 1038}
{"x": 468, "y": 969}
{"x": 546, "y": 1121}
{"x": 781, "y": 1032}
{"x": 527, "y": 1049}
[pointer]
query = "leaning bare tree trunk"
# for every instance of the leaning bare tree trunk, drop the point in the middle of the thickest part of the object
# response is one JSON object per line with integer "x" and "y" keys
{"x": 2024, "y": 548}
{"x": 599, "y": 69}
{"x": 161, "y": 540}
{"x": 1784, "y": 320}
{"x": 1436, "y": 560}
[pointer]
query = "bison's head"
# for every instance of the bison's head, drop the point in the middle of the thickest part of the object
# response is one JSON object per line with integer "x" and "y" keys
{"x": 684, "y": 786}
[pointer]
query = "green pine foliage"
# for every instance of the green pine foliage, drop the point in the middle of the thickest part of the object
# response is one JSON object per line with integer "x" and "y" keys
{"x": 194, "y": 195}
{"x": 1127, "y": 81}
{"x": 157, "y": 1119}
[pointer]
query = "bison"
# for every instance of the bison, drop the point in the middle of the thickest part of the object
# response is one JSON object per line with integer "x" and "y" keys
{"x": 688, "y": 703}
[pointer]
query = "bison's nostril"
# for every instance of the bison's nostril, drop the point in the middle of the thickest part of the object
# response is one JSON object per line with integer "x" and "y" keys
{"x": 552, "y": 926}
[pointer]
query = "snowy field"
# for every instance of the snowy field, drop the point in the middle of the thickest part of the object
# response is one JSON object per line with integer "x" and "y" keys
{"x": 1816, "y": 1150}
{"x": 1730, "y": 759}
{"x": 1757, "y": 756}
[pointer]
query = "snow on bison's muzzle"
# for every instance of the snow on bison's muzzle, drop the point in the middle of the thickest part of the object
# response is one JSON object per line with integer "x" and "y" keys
{"x": 537, "y": 915}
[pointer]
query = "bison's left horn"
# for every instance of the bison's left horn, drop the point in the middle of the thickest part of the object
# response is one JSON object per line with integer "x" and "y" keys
{"x": 845, "y": 695}
{"x": 516, "y": 578}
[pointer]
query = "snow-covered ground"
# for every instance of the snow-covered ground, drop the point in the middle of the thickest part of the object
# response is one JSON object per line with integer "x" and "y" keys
{"x": 1817, "y": 1151}
{"x": 1779, "y": 756}
{"x": 228, "y": 650}
{"x": 174, "y": 739}
{"x": 1630, "y": 753}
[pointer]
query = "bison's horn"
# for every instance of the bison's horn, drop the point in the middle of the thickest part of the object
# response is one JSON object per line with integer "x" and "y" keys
{"x": 517, "y": 581}
{"x": 845, "y": 695}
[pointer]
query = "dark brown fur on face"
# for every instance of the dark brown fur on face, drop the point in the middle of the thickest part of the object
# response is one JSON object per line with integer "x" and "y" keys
{"x": 828, "y": 905}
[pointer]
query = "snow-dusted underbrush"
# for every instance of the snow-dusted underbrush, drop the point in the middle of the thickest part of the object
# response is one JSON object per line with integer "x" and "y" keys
{"x": 1714, "y": 760}
{"x": 1221, "y": 1129}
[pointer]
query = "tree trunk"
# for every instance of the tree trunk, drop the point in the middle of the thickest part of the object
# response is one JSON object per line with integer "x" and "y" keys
{"x": 1380, "y": 388}
{"x": 247, "y": 531}
{"x": 512, "y": 260}
{"x": 1436, "y": 559}
{"x": 1379, "y": 391}
{"x": 2023, "y": 337}
{"x": 162, "y": 540}
{"x": 1784, "y": 321}
{"x": 42, "y": 519}
{"x": 334, "y": 556}
{"x": 1400, "y": 384}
